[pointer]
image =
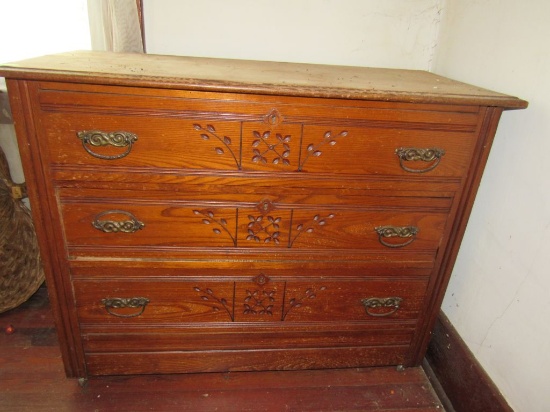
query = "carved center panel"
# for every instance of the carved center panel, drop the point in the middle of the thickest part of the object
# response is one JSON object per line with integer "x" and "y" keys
{"x": 269, "y": 227}
{"x": 271, "y": 143}
{"x": 260, "y": 300}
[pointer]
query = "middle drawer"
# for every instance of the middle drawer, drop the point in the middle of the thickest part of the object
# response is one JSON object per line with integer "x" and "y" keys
{"x": 380, "y": 224}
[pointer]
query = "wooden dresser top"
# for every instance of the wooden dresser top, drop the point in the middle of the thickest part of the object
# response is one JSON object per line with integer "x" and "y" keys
{"x": 259, "y": 77}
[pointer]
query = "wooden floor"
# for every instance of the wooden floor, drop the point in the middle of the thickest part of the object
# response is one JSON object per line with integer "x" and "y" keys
{"x": 32, "y": 379}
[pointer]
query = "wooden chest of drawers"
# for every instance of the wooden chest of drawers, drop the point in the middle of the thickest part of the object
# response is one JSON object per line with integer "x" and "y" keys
{"x": 213, "y": 215}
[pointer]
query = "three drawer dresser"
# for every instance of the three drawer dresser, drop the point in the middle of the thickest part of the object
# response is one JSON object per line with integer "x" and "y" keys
{"x": 201, "y": 215}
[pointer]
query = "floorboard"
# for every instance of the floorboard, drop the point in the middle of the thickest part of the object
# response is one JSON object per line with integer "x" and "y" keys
{"x": 32, "y": 379}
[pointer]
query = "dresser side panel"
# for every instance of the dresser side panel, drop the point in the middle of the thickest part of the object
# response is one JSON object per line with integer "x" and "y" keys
{"x": 445, "y": 262}
{"x": 41, "y": 196}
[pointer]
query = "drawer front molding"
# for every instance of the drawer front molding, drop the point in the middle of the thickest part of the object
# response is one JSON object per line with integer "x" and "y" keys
{"x": 268, "y": 216}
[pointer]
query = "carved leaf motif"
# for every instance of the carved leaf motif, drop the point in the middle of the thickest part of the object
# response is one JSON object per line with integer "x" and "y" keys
{"x": 297, "y": 302}
{"x": 225, "y": 140}
{"x": 313, "y": 150}
{"x": 308, "y": 227}
{"x": 213, "y": 299}
{"x": 210, "y": 219}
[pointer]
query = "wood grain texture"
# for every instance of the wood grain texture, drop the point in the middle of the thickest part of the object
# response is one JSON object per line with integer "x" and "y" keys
{"x": 32, "y": 378}
{"x": 208, "y": 215}
{"x": 224, "y": 75}
{"x": 462, "y": 378}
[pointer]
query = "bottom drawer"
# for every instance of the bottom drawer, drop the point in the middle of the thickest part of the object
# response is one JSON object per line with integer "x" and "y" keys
{"x": 244, "y": 348}
{"x": 242, "y": 300}
{"x": 202, "y": 324}
{"x": 239, "y": 360}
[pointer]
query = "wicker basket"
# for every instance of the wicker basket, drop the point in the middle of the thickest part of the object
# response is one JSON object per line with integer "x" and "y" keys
{"x": 21, "y": 271}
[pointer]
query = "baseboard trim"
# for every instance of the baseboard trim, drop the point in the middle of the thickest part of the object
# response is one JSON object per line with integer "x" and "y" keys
{"x": 458, "y": 378}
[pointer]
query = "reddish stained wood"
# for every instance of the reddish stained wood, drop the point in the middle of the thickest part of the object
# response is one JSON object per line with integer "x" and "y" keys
{"x": 332, "y": 174}
{"x": 32, "y": 378}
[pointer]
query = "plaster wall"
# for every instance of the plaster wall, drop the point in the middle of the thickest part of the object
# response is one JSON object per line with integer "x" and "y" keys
{"x": 498, "y": 297}
{"x": 380, "y": 33}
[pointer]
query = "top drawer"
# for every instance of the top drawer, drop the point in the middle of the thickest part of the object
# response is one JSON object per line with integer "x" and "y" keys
{"x": 117, "y": 128}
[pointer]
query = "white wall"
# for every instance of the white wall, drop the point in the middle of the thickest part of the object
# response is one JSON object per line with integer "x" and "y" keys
{"x": 30, "y": 28}
{"x": 396, "y": 33}
{"x": 499, "y": 296}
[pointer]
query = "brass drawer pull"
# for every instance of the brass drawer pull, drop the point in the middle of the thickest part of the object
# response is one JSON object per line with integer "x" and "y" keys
{"x": 123, "y": 303}
{"x": 402, "y": 232}
{"x": 414, "y": 154}
{"x": 97, "y": 138}
{"x": 114, "y": 226}
{"x": 392, "y": 303}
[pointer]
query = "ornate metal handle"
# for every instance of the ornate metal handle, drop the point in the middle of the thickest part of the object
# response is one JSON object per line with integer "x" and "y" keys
{"x": 98, "y": 138}
{"x": 403, "y": 232}
{"x": 414, "y": 154}
{"x": 114, "y": 226}
{"x": 122, "y": 303}
{"x": 392, "y": 303}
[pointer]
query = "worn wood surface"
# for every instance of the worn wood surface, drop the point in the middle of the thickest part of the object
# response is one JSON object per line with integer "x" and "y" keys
{"x": 223, "y": 75}
{"x": 463, "y": 380}
{"x": 32, "y": 379}
{"x": 186, "y": 228}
